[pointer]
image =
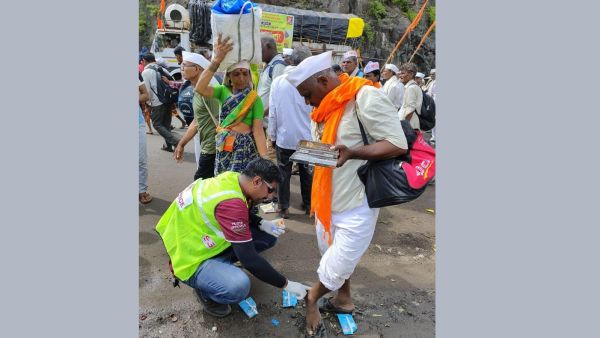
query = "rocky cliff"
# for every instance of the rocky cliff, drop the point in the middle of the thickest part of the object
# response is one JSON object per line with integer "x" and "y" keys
{"x": 386, "y": 21}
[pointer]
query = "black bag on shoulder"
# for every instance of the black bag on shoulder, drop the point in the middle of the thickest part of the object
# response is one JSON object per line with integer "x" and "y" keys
{"x": 427, "y": 115}
{"x": 165, "y": 93}
{"x": 386, "y": 182}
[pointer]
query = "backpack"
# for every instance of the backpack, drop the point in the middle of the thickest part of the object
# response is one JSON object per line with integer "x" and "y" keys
{"x": 165, "y": 93}
{"x": 185, "y": 101}
{"x": 276, "y": 62}
{"x": 427, "y": 115}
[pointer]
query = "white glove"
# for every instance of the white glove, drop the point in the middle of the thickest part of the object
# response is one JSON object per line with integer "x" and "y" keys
{"x": 297, "y": 288}
{"x": 274, "y": 228}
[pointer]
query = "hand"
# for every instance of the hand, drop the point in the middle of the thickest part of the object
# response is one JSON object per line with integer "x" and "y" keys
{"x": 221, "y": 49}
{"x": 178, "y": 153}
{"x": 274, "y": 228}
{"x": 345, "y": 154}
{"x": 297, "y": 288}
{"x": 166, "y": 80}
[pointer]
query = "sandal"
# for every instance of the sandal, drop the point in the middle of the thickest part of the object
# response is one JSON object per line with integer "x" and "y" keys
{"x": 325, "y": 305}
{"x": 320, "y": 332}
{"x": 145, "y": 198}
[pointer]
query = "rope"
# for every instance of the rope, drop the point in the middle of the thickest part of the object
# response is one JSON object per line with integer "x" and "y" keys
{"x": 408, "y": 30}
{"x": 422, "y": 40}
{"x": 318, "y": 26}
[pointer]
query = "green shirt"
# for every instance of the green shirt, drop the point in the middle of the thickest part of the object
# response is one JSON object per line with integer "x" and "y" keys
{"x": 222, "y": 93}
{"x": 206, "y": 125}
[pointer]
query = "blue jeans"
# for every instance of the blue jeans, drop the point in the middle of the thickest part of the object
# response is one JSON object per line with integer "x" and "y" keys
{"x": 218, "y": 279}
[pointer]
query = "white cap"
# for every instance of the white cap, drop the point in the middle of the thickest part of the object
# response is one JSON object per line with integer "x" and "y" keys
{"x": 287, "y": 51}
{"x": 349, "y": 54}
{"x": 391, "y": 67}
{"x": 195, "y": 58}
{"x": 432, "y": 71}
{"x": 371, "y": 66}
{"x": 419, "y": 74}
{"x": 308, "y": 67}
{"x": 162, "y": 62}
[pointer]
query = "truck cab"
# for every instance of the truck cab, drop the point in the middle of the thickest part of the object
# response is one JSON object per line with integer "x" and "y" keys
{"x": 174, "y": 33}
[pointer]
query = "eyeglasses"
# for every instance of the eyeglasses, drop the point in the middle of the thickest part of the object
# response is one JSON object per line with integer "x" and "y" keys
{"x": 270, "y": 188}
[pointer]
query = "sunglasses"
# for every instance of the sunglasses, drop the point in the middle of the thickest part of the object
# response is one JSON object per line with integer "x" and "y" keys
{"x": 270, "y": 188}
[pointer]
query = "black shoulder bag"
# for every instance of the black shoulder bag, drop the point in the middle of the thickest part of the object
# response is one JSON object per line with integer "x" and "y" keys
{"x": 385, "y": 180}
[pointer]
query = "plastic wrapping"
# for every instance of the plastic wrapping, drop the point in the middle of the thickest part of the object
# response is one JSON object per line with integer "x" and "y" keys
{"x": 333, "y": 28}
{"x": 200, "y": 32}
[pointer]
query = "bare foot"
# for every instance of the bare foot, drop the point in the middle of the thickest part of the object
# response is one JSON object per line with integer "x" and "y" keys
{"x": 342, "y": 303}
{"x": 313, "y": 317}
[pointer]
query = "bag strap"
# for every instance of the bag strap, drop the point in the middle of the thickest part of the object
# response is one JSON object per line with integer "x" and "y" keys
{"x": 209, "y": 112}
{"x": 272, "y": 66}
{"x": 362, "y": 129}
{"x": 240, "y": 31}
{"x": 157, "y": 79}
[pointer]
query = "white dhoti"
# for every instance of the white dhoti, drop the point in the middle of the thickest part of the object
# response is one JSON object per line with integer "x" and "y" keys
{"x": 352, "y": 231}
{"x": 197, "y": 149}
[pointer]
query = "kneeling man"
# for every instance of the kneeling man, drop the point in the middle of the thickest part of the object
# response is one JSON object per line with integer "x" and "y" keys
{"x": 209, "y": 227}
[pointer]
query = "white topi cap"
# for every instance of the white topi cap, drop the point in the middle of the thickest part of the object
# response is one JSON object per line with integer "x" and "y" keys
{"x": 195, "y": 58}
{"x": 419, "y": 74}
{"x": 287, "y": 51}
{"x": 391, "y": 67}
{"x": 432, "y": 71}
{"x": 308, "y": 67}
{"x": 371, "y": 66}
{"x": 349, "y": 54}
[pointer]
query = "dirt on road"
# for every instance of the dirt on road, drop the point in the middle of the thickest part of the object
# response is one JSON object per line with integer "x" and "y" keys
{"x": 393, "y": 286}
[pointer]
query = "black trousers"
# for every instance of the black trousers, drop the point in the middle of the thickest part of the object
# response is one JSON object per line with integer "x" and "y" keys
{"x": 206, "y": 166}
{"x": 161, "y": 121}
{"x": 285, "y": 165}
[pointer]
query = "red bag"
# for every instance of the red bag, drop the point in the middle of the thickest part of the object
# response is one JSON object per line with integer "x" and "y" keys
{"x": 421, "y": 168}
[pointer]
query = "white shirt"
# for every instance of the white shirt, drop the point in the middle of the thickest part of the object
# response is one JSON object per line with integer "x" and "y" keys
{"x": 264, "y": 83}
{"x": 394, "y": 89}
{"x": 289, "y": 115}
{"x": 379, "y": 118}
{"x": 149, "y": 76}
{"x": 413, "y": 99}
{"x": 432, "y": 91}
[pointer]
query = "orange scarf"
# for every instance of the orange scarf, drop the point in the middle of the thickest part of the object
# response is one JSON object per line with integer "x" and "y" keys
{"x": 377, "y": 84}
{"x": 330, "y": 111}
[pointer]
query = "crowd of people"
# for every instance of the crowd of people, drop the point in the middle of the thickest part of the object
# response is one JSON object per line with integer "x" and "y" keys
{"x": 235, "y": 124}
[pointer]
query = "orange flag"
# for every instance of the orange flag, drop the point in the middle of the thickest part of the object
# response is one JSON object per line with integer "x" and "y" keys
{"x": 161, "y": 12}
{"x": 409, "y": 29}
{"x": 417, "y": 18}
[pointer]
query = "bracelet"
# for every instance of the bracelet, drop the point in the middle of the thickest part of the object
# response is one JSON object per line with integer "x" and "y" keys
{"x": 214, "y": 66}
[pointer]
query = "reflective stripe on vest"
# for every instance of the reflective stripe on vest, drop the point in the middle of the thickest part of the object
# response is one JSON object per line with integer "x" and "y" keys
{"x": 191, "y": 234}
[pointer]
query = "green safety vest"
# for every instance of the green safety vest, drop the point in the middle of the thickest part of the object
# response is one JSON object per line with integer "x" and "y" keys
{"x": 189, "y": 230}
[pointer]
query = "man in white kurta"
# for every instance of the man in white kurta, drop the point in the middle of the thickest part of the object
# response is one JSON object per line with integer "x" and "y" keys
{"x": 352, "y": 221}
{"x": 413, "y": 95}
{"x": 393, "y": 88}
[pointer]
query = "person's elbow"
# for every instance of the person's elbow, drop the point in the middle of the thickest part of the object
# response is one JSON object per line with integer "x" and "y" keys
{"x": 202, "y": 91}
{"x": 397, "y": 151}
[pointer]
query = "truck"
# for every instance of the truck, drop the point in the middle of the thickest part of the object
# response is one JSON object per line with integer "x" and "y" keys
{"x": 320, "y": 31}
